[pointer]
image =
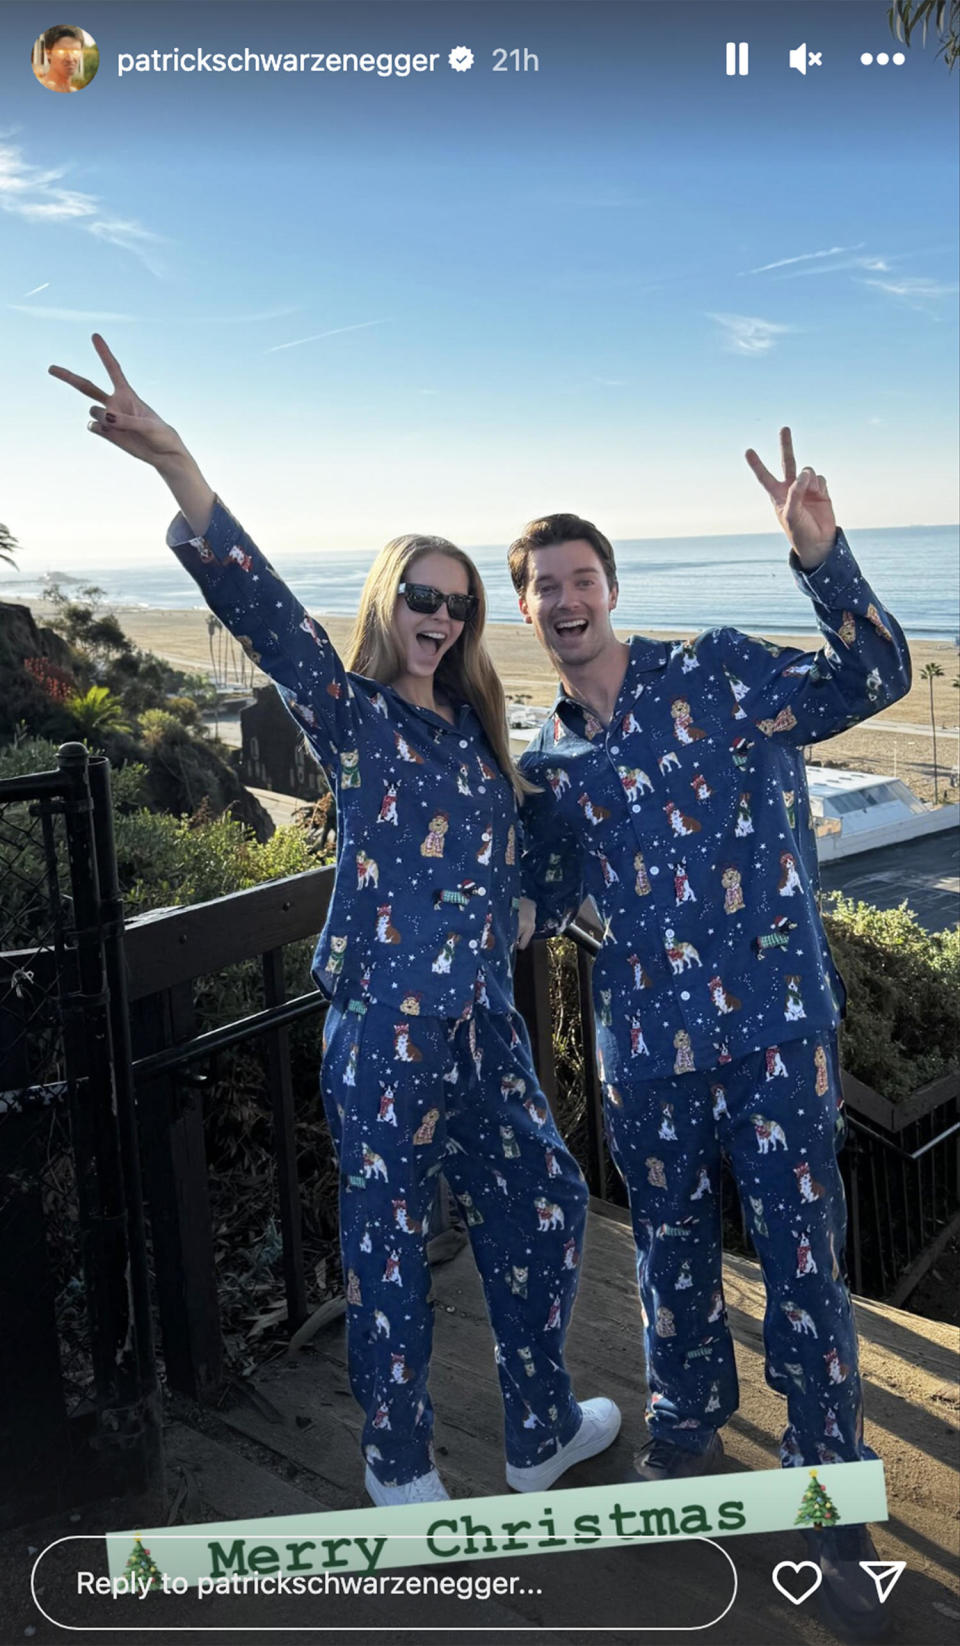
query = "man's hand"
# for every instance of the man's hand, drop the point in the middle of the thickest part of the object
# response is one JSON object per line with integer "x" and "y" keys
{"x": 801, "y": 503}
{"x": 527, "y": 922}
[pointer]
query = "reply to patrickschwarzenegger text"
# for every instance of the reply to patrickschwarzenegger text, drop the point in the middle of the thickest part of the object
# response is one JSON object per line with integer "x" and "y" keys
{"x": 465, "y": 1586}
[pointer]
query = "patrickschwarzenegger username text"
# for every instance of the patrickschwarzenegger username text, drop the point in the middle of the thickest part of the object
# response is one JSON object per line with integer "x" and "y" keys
{"x": 387, "y": 64}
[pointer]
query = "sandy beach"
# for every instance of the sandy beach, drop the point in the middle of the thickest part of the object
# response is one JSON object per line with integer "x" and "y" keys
{"x": 896, "y": 742}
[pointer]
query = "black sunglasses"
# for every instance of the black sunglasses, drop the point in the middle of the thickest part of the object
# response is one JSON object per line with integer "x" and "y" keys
{"x": 421, "y": 597}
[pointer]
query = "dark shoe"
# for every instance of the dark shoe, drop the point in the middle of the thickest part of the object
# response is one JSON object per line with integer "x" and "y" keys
{"x": 848, "y": 1595}
{"x": 661, "y": 1460}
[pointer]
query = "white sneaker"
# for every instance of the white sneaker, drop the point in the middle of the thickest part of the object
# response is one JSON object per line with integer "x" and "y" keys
{"x": 428, "y": 1488}
{"x": 599, "y": 1429}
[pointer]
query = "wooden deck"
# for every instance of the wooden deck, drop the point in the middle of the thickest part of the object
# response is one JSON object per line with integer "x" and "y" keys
{"x": 291, "y": 1446}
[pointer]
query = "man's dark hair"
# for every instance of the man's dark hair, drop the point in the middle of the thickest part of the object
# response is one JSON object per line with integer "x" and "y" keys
{"x": 558, "y": 528}
{"x": 58, "y": 32}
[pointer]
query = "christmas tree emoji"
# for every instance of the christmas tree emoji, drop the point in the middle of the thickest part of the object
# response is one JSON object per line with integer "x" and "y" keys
{"x": 142, "y": 1569}
{"x": 816, "y": 1509}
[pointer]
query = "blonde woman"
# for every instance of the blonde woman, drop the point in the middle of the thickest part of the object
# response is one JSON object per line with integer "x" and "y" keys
{"x": 427, "y": 1065}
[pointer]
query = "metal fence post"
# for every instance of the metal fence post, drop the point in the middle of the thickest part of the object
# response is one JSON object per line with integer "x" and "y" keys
{"x": 137, "y": 1371}
{"x": 95, "y": 1126}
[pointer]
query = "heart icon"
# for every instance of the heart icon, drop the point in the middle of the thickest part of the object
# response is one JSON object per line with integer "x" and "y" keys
{"x": 797, "y": 1566}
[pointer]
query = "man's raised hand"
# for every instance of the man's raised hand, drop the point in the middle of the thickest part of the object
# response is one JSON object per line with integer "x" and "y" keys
{"x": 121, "y": 417}
{"x": 801, "y": 503}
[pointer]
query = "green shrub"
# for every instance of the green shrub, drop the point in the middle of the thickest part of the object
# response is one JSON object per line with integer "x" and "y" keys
{"x": 165, "y": 861}
{"x": 29, "y": 755}
{"x": 902, "y": 1027}
{"x": 96, "y": 712}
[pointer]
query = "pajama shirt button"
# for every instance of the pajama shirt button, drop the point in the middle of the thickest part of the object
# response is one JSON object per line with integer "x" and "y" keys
{"x": 635, "y": 808}
{"x": 684, "y": 994}
{"x": 463, "y": 743}
{"x": 615, "y": 748}
{"x": 653, "y": 869}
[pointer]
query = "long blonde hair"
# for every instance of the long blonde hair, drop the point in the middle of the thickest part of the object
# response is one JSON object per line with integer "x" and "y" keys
{"x": 466, "y": 671}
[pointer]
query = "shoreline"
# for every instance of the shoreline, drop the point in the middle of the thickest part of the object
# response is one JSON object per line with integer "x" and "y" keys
{"x": 139, "y": 616}
{"x": 179, "y": 635}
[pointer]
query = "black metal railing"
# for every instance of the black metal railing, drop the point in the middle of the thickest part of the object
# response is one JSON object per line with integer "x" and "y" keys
{"x": 901, "y": 1168}
{"x": 77, "y": 1383}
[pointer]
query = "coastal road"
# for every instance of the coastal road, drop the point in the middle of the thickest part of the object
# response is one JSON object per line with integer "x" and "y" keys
{"x": 925, "y": 872}
{"x": 909, "y": 728}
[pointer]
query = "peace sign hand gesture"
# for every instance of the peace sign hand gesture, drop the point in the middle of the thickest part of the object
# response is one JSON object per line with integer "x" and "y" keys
{"x": 121, "y": 417}
{"x": 801, "y": 503}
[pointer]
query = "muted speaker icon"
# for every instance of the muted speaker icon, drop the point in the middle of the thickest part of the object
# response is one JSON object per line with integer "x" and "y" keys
{"x": 800, "y": 59}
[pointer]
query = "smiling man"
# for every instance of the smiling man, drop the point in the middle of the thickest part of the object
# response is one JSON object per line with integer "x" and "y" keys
{"x": 673, "y": 792}
{"x": 63, "y": 53}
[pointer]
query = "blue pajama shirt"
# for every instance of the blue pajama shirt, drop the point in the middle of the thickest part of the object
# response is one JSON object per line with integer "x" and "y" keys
{"x": 427, "y": 1065}
{"x": 687, "y": 820}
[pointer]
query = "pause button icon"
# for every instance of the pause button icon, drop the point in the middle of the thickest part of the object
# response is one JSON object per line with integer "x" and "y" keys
{"x": 738, "y": 57}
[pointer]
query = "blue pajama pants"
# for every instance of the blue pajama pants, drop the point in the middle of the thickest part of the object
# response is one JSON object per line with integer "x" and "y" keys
{"x": 775, "y": 1115}
{"x": 405, "y": 1101}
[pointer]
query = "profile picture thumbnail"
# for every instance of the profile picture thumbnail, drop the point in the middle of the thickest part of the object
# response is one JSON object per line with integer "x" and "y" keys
{"x": 65, "y": 58}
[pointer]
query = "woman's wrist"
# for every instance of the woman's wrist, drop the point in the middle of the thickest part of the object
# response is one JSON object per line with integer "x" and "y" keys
{"x": 195, "y": 498}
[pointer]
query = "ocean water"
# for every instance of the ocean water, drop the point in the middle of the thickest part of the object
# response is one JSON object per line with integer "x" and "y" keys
{"x": 665, "y": 583}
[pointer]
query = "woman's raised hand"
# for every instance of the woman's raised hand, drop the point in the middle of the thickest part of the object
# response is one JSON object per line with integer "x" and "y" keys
{"x": 128, "y": 422}
{"x": 121, "y": 417}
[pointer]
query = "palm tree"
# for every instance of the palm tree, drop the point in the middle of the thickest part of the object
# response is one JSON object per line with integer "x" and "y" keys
{"x": 932, "y": 672}
{"x": 213, "y": 623}
{"x": 8, "y": 544}
{"x": 97, "y": 711}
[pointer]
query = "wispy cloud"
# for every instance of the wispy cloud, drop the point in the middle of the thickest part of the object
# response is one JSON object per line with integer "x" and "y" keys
{"x": 98, "y": 317}
{"x": 318, "y": 336}
{"x": 242, "y": 319}
{"x": 39, "y": 196}
{"x": 132, "y": 237}
{"x": 745, "y": 334}
{"x": 94, "y": 317}
{"x": 803, "y": 257}
{"x": 873, "y": 265}
{"x": 35, "y": 289}
{"x": 611, "y": 382}
{"x": 832, "y": 260}
{"x": 914, "y": 290}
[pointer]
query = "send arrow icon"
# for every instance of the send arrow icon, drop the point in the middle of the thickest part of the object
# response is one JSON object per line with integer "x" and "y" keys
{"x": 885, "y": 1574}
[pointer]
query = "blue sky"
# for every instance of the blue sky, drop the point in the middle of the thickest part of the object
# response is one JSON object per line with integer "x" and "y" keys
{"x": 450, "y": 301}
